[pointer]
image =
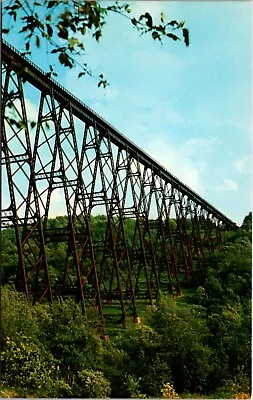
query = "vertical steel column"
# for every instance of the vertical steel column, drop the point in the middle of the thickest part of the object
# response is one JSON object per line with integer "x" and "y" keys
{"x": 24, "y": 207}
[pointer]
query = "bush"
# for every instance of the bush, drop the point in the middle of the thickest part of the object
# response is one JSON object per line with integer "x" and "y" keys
{"x": 17, "y": 314}
{"x": 168, "y": 392}
{"x": 27, "y": 365}
{"x": 182, "y": 345}
{"x": 92, "y": 384}
{"x": 43, "y": 347}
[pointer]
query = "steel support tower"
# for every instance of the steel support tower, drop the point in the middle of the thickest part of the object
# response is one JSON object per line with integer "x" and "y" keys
{"x": 71, "y": 151}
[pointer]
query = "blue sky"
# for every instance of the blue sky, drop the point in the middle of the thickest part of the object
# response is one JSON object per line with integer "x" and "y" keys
{"x": 189, "y": 108}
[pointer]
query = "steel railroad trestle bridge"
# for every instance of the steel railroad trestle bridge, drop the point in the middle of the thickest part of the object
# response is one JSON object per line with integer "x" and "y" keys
{"x": 74, "y": 152}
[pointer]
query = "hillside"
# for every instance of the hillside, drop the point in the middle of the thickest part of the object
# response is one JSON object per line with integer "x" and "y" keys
{"x": 199, "y": 342}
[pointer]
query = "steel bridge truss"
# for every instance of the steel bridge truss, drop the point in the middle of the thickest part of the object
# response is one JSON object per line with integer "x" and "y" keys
{"x": 73, "y": 153}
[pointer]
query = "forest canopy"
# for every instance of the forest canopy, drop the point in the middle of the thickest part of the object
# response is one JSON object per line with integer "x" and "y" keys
{"x": 198, "y": 344}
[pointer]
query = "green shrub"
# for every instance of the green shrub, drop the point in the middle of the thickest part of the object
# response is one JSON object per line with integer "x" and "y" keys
{"x": 92, "y": 384}
{"x": 26, "y": 364}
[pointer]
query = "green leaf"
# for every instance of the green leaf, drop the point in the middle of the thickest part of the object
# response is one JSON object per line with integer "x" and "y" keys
{"x": 134, "y": 21}
{"x": 65, "y": 60}
{"x": 174, "y": 37}
{"x": 27, "y": 46}
{"x": 14, "y": 122}
{"x": 73, "y": 27}
{"x": 181, "y": 24}
{"x": 173, "y": 23}
{"x": 60, "y": 49}
{"x": 97, "y": 35}
{"x": 25, "y": 28}
{"x": 186, "y": 36}
{"x": 149, "y": 20}
{"x": 5, "y": 30}
{"x": 49, "y": 30}
{"x": 73, "y": 42}
{"x": 156, "y": 35}
{"x": 62, "y": 58}
{"x": 51, "y": 3}
{"x": 84, "y": 9}
{"x": 127, "y": 8}
{"x": 33, "y": 124}
{"x": 103, "y": 83}
{"x": 15, "y": 6}
{"x": 14, "y": 14}
{"x": 37, "y": 41}
{"x": 81, "y": 74}
{"x": 63, "y": 32}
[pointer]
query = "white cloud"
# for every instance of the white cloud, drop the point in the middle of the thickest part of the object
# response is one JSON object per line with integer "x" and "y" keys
{"x": 228, "y": 185}
{"x": 173, "y": 116}
{"x": 177, "y": 162}
{"x": 57, "y": 196}
{"x": 158, "y": 58}
{"x": 31, "y": 110}
{"x": 212, "y": 116}
{"x": 200, "y": 146}
{"x": 57, "y": 201}
{"x": 188, "y": 161}
{"x": 242, "y": 164}
{"x": 153, "y": 7}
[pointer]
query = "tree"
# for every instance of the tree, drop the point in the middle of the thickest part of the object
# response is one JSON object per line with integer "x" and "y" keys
{"x": 65, "y": 25}
{"x": 247, "y": 222}
{"x": 204, "y": 349}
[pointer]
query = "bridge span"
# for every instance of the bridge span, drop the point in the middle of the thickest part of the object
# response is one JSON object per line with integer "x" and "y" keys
{"x": 71, "y": 152}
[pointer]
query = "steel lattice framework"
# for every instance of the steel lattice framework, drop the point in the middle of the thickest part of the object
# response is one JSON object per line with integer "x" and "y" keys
{"x": 75, "y": 152}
